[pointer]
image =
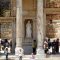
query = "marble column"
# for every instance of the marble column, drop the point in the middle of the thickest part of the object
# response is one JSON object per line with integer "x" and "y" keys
{"x": 40, "y": 36}
{"x": 19, "y": 25}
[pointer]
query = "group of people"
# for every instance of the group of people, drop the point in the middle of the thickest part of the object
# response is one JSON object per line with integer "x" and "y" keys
{"x": 53, "y": 46}
{"x": 5, "y": 43}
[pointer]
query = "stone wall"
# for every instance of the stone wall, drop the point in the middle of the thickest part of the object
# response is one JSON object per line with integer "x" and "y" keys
{"x": 53, "y": 25}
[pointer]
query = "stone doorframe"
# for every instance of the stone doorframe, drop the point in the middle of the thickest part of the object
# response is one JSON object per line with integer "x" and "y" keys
{"x": 33, "y": 26}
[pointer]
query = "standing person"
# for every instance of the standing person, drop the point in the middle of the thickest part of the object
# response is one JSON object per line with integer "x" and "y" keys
{"x": 49, "y": 43}
{"x": 57, "y": 46}
{"x": 54, "y": 47}
{"x": 34, "y": 46}
{"x": 3, "y": 43}
{"x": 10, "y": 45}
{"x": 6, "y": 43}
{"x": 6, "y": 52}
{"x": 45, "y": 46}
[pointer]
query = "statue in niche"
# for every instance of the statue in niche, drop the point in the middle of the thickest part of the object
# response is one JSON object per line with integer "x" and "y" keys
{"x": 28, "y": 30}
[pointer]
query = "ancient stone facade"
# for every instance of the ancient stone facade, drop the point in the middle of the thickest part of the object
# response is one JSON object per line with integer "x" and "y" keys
{"x": 39, "y": 13}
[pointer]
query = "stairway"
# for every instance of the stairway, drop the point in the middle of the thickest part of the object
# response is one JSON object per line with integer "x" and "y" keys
{"x": 27, "y": 46}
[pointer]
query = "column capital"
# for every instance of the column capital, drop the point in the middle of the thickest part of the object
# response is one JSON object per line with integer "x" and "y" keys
{"x": 19, "y": 3}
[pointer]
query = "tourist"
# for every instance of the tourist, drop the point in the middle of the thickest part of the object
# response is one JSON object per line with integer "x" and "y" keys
{"x": 10, "y": 44}
{"x": 6, "y": 43}
{"x": 6, "y": 52}
{"x": 49, "y": 43}
{"x": 54, "y": 47}
{"x": 57, "y": 46}
{"x": 46, "y": 46}
{"x": 3, "y": 43}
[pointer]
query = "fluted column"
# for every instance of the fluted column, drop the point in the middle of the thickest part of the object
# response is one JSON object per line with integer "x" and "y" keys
{"x": 19, "y": 28}
{"x": 19, "y": 24}
{"x": 40, "y": 30}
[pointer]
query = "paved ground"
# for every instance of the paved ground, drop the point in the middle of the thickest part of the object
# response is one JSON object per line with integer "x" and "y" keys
{"x": 28, "y": 57}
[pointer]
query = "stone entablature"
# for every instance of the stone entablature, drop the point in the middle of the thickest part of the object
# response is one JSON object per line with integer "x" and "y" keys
{"x": 29, "y": 13}
{"x": 52, "y": 10}
{"x": 8, "y": 18}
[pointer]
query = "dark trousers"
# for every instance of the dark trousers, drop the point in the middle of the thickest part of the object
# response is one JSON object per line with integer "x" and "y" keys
{"x": 46, "y": 50}
{"x": 53, "y": 50}
{"x": 34, "y": 50}
{"x": 7, "y": 57}
{"x": 57, "y": 49}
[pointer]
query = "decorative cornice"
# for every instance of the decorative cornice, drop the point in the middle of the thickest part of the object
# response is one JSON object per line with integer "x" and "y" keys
{"x": 9, "y": 18}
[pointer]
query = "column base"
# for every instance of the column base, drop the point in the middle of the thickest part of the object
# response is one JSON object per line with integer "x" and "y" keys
{"x": 40, "y": 53}
{"x": 19, "y": 51}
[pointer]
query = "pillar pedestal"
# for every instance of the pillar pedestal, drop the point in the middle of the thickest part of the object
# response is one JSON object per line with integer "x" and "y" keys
{"x": 40, "y": 53}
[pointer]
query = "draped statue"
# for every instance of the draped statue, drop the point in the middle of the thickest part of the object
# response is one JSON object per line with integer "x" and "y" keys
{"x": 28, "y": 30}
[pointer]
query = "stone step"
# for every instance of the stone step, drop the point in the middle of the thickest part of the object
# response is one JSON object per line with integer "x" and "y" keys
{"x": 27, "y": 43}
{"x": 27, "y": 40}
{"x": 27, "y": 46}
